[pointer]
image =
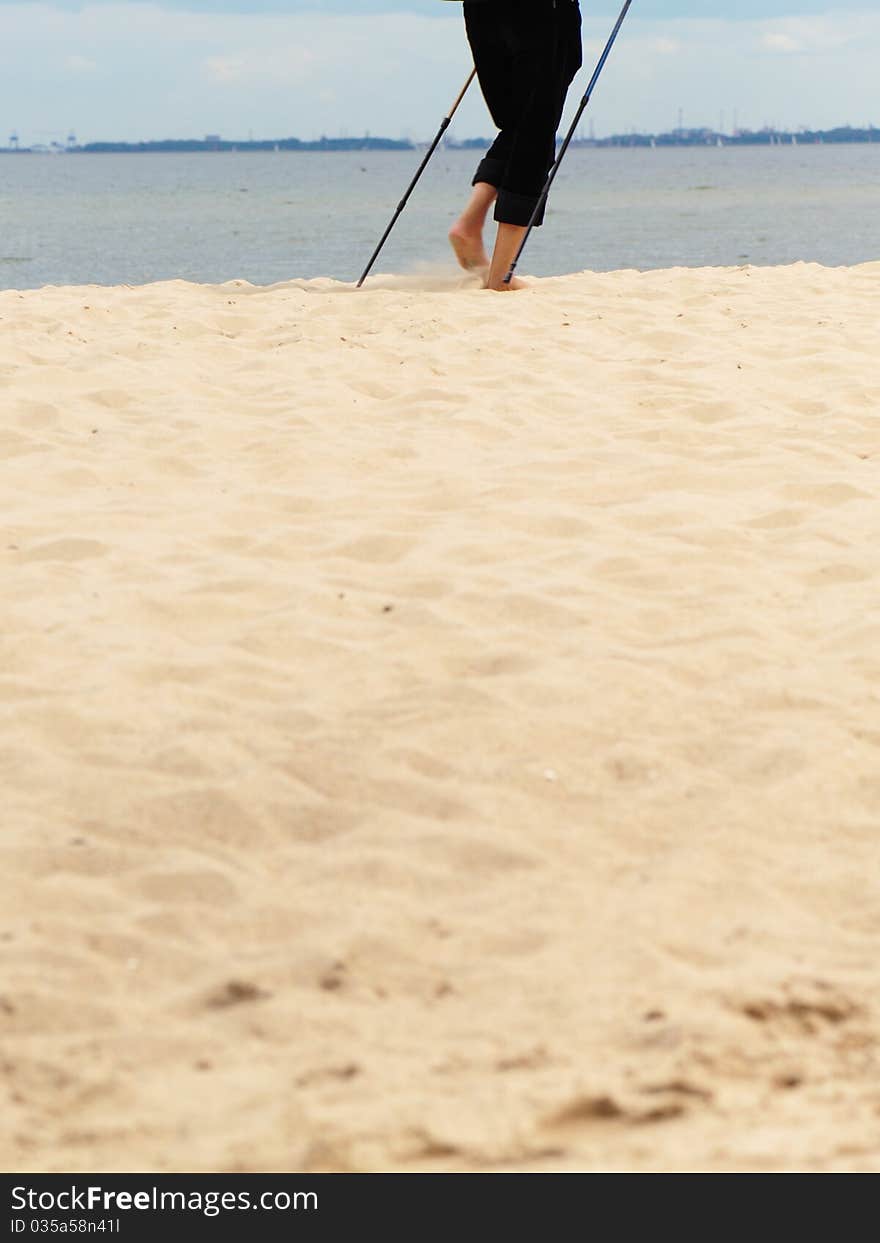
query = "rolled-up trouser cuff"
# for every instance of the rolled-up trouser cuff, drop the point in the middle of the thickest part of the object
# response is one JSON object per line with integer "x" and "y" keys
{"x": 490, "y": 171}
{"x": 510, "y": 208}
{"x": 513, "y": 208}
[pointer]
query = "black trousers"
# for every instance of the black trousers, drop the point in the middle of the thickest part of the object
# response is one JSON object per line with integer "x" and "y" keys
{"x": 527, "y": 53}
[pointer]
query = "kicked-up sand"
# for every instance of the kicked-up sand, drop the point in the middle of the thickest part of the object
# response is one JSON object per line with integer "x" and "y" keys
{"x": 441, "y": 731}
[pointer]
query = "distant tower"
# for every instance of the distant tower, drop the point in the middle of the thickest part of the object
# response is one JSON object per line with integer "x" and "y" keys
{"x": 13, "y": 141}
{"x": 71, "y": 139}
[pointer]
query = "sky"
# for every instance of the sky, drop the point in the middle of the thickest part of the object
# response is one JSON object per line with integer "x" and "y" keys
{"x": 132, "y": 69}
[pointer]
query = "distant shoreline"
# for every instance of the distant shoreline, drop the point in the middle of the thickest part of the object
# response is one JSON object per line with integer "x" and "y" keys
{"x": 677, "y": 138}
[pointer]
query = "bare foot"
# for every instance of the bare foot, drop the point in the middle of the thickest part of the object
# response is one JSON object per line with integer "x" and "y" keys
{"x": 468, "y": 246}
{"x": 507, "y": 248}
{"x": 501, "y": 287}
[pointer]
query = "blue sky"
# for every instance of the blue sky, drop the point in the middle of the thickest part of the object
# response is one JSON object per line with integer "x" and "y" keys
{"x": 646, "y": 8}
{"x": 136, "y": 69}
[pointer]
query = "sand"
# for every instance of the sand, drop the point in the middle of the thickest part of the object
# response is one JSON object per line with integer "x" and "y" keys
{"x": 441, "y": 730}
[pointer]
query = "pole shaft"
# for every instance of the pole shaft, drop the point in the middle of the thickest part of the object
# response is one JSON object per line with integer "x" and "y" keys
{"x": 412, "y": 185}
{"x": 545, "y": 193}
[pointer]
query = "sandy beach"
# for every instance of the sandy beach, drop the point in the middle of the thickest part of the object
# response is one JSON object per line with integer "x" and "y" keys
{"x": 441, "y": 730}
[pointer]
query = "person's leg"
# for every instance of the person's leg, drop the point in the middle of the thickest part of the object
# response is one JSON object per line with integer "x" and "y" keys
{"x": 507, "y": 243}
{"x": 548, "y": 47}
{"x": 527, "y": 53}
{"x": 466, "y": 235}
{"x": 548, "y": 55}
{"x": 531, "y": 41}
{"x": 488, "y": 39}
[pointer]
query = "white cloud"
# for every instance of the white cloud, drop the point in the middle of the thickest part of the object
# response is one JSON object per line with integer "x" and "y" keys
{"x": 80, "y": 64}
{"x": 820, "y": 36}
{"x": 223, "y": 69}
{"x": 284, "y": 67}
{"x": 777, "y": 42}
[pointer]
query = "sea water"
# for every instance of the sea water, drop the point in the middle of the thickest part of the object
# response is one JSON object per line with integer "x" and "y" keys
{"x": 272, "y": 216}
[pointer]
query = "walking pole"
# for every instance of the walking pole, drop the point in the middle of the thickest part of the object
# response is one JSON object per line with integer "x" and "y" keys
{"x": 424, "y": 164}
{"x": 571, "y": 133}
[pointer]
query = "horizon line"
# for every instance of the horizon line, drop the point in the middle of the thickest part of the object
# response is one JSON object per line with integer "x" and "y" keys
{"x": 683, "y": 136}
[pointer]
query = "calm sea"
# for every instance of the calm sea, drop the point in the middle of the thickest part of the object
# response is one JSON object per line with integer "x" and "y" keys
{"x": 265, "y": 217}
